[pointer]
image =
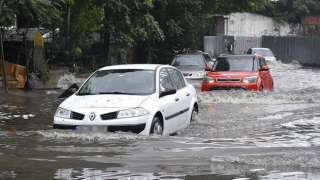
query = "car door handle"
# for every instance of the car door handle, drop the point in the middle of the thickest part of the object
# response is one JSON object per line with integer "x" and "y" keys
{"x": 177, "y": 99}
{"x": 188, "y": 94}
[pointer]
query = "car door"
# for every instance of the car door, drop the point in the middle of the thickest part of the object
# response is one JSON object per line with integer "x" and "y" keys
{"x": 183, "y": 95}
{"x": 170, "y": 103}
{"x": 263, "y": 74}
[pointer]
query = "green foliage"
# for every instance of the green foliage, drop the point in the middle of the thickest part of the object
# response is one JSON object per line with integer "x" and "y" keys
{"x": 44, "y": 71}
{"x": 130, "y": 21}
{"x": 86, "y": 18}
{"x": 120, "y": 55}
{"x": 41, "y": 11}
{"x": 291, "y": 11}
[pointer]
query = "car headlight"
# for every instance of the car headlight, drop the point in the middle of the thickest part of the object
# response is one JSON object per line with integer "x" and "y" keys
{"x": 132, "y": 113}
{"x": 198, "y": 74}
{"x": 208, "y": 79}
{"x": 63, "y": 113}
{"x": 252, "y": 79}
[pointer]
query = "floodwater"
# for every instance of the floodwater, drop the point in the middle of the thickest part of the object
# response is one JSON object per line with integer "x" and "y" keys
{"x": 238, "y": 135}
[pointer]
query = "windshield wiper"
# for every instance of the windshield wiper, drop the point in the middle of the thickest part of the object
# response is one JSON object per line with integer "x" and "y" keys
{"x": 83, "y": 94}
{"x": 116, "y": 92}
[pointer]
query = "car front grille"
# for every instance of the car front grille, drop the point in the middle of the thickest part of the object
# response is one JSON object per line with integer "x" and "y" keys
{"x": 228, "y": 80}
{"x": 109, "y": 116}
{"x": 77, "y": 116}
{"x": 214, "y": 88}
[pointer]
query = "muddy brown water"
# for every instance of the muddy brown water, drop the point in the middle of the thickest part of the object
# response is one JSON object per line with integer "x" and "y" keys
{"x": 239, "y": 135}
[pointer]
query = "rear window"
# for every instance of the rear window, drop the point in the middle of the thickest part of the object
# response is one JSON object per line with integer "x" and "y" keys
{"x": 236, "y": 63}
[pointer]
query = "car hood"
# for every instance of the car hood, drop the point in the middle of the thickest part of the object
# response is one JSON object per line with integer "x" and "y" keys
{"x": 230, "y": 74}
{"x": 104, "y": 101}
{"x": 190, "y": 68}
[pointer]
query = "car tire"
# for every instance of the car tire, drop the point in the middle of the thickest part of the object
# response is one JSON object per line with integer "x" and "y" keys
{"x": 156, "y": 127}
{"x": 272, "y": 87}
{"x": 194, "y": 114}
{"x": 261, "y": 89}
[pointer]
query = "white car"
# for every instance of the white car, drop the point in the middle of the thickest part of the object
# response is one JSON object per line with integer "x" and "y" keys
{"x": 142, "y": 98}
{"x": 267, "y": 53}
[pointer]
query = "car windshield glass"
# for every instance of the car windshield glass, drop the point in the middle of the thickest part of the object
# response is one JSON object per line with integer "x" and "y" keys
{"x": 264, "y": 52}
{"x": 121, "y": 81}
{"x": 187, "y": 61}
{"x": 235, "y": 64}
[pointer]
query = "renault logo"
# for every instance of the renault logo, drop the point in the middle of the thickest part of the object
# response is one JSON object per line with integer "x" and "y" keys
{"x": 92, "y": 116}
{"x": 228, "y": 77}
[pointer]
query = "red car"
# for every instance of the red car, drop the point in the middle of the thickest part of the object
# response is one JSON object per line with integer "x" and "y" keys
{"x": 246, "y": 72}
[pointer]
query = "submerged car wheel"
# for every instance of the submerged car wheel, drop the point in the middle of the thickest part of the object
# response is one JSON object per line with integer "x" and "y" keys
{"x": 261, "y": 89}
{"x": 156, "y": 127}
{"x": 272, "y": 87}
{"x": 194, "y": 114}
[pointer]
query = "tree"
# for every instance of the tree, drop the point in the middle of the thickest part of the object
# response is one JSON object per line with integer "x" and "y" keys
{"x": 44, "y": 11}
{"x": 291, "y": 11}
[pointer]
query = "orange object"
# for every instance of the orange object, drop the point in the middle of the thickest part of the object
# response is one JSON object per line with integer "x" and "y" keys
{"x": 15, "y": 71}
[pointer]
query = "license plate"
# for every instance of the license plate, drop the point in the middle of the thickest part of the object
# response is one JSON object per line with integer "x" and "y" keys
{"x": 92, "y": 128}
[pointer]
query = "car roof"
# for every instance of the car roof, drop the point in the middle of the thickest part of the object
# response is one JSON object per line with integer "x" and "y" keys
{"x": 131, "y": 66}
{"x": 261, "y": 48}
{"x": 242, "y": 56}
{"x": 196, "y": 54}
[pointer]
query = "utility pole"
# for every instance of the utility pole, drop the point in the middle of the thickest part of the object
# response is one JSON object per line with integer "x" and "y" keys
{"x": 3, "y": 63}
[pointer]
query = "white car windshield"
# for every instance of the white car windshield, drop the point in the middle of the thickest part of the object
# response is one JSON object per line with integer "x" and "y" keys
{"x": 120, "y": 81}
{"x": 187, "y": 61}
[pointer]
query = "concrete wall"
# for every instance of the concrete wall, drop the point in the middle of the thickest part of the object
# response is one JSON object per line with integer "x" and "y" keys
{"x": 254, "y": 25}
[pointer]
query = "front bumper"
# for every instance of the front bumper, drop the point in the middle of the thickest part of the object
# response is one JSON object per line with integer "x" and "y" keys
{"x": 126, "y": 128}
{"x": 229, "y": 86}
{"x": 140, "y": 125}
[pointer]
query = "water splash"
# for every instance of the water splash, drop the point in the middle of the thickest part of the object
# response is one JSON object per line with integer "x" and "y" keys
{"x": 68, "y": 79}
{"x": 94, "y": 136}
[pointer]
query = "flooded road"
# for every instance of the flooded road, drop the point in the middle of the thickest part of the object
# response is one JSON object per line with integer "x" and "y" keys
{"x": 238, "y": 135}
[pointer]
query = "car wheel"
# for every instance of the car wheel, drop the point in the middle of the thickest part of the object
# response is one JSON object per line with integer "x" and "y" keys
{"x": 272, "y": 87}
{"x": 194, "y": 114}
{"x": 156, "y": 127}
{"x": 261, "y": 89}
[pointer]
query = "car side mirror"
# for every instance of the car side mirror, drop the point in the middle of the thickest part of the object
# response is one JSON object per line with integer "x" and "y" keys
{"x": 168, "y": 92}
{"x": 208, "y": 68}
{"x": 69, "y": 92}
{"x": 264, "y": 68}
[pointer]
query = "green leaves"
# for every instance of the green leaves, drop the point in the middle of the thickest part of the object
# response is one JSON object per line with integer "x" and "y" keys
{"x": 42, "y": 11}
{"x": 291, "y": 11}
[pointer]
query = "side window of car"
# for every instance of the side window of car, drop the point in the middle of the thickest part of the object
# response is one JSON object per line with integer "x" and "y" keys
{"x": 165, "y": 80}
{"x": 177, "y": 78}
{"x": 260, "y": 62}
{"x": 264, "y": 61}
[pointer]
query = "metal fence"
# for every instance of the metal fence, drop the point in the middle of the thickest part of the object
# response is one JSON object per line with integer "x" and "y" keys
{"x": 287, "y": 49}
{"x": 242, "y": 44}
{"x": 216, "y": 45}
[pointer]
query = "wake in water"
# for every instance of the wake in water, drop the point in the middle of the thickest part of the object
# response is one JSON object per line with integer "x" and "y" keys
{"x": 247, "y": 97}
{"x": 74, "y": 135}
